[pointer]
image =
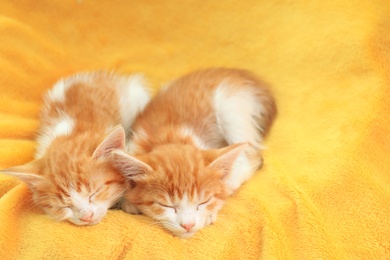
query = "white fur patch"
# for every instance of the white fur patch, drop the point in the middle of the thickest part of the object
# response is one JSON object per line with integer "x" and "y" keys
{"x": 57, "y": 93}
{"x": 133, "y": 97}
{"x": 80, "y": 203}
{"x": 187, "y": 213}
{"x": 187, "y": 131}
{"x": 59, "y": 127}
{"x": 236, "y": 113}
{"x": 64, "y": 126}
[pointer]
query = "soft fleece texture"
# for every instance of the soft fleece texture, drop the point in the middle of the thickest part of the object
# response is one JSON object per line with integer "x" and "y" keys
{"x": 324, "y": 189}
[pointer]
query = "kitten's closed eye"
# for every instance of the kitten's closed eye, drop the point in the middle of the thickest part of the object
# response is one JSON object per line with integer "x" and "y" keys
{"x": 203, "y": 203}
{"x": 92, "y": 197}
{"x": 173, "y": 207}
{"x": 166, "y": 206}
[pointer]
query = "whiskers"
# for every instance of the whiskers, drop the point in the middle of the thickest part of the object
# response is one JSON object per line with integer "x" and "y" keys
{"x": 164, "y": 224}
{"x": 158, "y": 222}
{"x": 116, "y": 201}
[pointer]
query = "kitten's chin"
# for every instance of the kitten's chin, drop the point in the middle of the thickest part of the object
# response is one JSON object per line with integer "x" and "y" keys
{"x": 81, "y": 223}
{"x": 76, "y": 221}
{"x": 182, "y": 234}
{"x": 186, "y": 235}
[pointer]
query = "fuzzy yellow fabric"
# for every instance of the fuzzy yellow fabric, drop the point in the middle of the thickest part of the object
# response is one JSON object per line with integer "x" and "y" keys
{"x": 323, "y": 192}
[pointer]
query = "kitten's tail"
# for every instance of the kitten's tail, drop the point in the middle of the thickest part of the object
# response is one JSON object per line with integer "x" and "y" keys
{"x": 244, "y": 106}
{"x": 268, "y": 110}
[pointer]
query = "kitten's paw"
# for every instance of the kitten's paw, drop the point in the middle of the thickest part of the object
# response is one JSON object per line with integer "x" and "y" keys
{"x": 116, "y": 205}
{"x": 129, "y": 208}
{"x": 210, "y": 220}
{"x": 260, "y": 162}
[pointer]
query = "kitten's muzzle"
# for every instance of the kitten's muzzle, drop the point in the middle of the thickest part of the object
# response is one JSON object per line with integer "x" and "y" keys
{"x": 188, "y": 227}
{"x": 87, "y": 217}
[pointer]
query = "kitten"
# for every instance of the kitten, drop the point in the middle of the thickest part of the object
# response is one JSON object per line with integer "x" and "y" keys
{"x": 71, "y": 177}
{"x": 195, "y": 143}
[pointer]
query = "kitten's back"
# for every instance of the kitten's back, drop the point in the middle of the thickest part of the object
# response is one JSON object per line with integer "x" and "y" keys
{"x": 94, "y": 101}
{"x": 215, "y": 107}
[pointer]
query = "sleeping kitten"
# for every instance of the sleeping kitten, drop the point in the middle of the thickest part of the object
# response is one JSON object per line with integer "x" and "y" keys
{"x": 71, "y": 177}
{"x": 194, "y": 144}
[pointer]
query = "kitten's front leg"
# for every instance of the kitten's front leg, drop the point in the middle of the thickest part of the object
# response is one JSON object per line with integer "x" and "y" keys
{"x": 129, "y": 208}
{"x": 210, "y": 219}
{"x": 116, "y": 205}
{"x": 245, "y": 165}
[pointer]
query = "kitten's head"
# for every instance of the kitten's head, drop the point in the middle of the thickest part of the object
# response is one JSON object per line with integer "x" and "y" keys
{"x": 74, "y": 187}
{"x": 181, "y": 187}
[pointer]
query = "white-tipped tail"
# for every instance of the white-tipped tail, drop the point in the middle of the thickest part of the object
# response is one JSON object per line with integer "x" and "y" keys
{"x": 236, "y": 112}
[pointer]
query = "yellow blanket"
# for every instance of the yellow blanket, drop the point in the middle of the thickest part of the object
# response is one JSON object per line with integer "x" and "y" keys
{"x": 324, "y": 189}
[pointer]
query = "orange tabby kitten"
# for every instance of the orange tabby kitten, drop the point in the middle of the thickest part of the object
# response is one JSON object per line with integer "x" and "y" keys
{"x": 194, "y": 144}
{"x": 71, "y": 177}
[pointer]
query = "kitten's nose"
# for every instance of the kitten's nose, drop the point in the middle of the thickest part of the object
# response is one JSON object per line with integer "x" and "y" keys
{"x": 188, "y": 226}
{"x": 87, "y": 217}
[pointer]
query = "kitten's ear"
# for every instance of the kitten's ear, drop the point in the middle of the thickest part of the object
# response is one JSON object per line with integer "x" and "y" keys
{"x": 114, "y": 140}
{"x": 130, "y": 167}
{"x": 26, "y": 173}
{"x": 228, "y": 158}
